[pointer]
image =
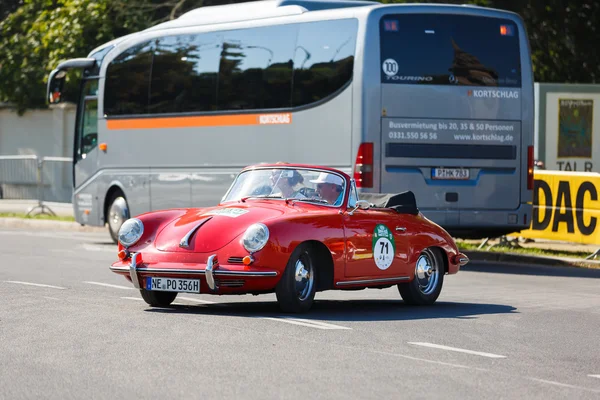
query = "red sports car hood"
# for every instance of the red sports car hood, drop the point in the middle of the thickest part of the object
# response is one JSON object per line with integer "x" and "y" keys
{"x": 211, "y": 228}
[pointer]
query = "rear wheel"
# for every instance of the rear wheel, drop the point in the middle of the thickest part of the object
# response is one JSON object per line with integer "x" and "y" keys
{"x": 426, "y": 286}
{"x": 117, "y": 213}
{"x": 158, "y": 299}
{"x": 296, "y": 288}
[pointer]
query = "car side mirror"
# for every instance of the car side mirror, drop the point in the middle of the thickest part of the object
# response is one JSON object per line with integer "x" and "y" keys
{"x": 362, "y": 204}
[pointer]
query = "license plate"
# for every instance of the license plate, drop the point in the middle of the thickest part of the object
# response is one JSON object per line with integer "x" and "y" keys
{"x": 173, "y": 284}
{"x": 450, "y": 173}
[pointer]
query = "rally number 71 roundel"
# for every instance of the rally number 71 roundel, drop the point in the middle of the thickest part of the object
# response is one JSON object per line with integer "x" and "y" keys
{"x": 384, "y": 247}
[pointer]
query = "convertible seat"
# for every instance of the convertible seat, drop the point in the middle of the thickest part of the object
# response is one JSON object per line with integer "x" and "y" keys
{"x": 403, "y": 203}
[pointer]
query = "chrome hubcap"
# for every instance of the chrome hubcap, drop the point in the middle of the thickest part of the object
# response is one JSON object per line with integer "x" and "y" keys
{"x": 427, "y": 272}
{"x": 304, "y": 280}
{"x": 117, "y": 214}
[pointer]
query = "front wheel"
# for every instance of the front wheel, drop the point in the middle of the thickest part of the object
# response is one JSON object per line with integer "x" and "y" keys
{"x": 158, "y": 299}
{"x": 426, "y": 286}
{"x": 296, "y": 288}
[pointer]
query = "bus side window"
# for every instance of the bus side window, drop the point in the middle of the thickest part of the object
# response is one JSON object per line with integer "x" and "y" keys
{"x": 323, "y": 60}
{"x": 255, "y": 69}
{"x": 127, "y": 87}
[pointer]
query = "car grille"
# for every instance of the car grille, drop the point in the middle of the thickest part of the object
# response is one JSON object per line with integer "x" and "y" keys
{"x": 232, "y": 283}
{"x": 235, "y": 260}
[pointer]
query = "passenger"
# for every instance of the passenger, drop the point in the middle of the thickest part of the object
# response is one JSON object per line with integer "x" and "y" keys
{"x": 330, "y": 188}
{"x": 286, "y": 180}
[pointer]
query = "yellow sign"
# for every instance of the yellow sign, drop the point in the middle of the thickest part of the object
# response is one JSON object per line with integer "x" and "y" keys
{"x": 566, "y": 207}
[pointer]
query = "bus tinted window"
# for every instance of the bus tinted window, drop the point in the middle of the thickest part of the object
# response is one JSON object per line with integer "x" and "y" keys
{"x": 127, "y": 82}
{"x": 256, "y": 68}
{"x": 184, "y": 74}
{"x": 450, "y": 50}
{"x": 323, "y": 59}
{"x": 248, "y": 69}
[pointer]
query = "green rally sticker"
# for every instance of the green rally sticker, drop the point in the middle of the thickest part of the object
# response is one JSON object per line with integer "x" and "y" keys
{"x": 384, "y": 247}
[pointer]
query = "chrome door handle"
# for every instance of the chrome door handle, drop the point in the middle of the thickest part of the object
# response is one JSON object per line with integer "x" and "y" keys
{"x": 401, "y": 228}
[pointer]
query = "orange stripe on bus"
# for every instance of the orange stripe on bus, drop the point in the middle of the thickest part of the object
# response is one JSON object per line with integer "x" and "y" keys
{"x": 207, "y": 120}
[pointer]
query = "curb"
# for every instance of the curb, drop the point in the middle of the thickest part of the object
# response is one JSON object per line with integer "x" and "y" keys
{"x": 520, "y": 259}
{"x": 48, "y": 224}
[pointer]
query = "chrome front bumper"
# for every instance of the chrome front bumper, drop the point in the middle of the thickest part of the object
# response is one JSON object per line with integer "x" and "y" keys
{"x": 210, "y": 272}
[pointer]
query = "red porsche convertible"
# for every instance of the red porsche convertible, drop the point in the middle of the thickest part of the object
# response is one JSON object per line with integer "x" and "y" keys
{"x": 291, "y": 229}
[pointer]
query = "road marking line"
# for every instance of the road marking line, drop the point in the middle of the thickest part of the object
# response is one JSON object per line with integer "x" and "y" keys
{"x": 36, "y": 284}
{"x": 439, "y": 346}
{"x": 132, "y": 298}
{"x": 429, "y": 361}
{"x": 594, "y": 376}
{"x": 307, "y": 322}
{"x": 109, "y": 285}
{"x": 95, "y": 247}
{"x": 563, "y": 384}
{"x": 196, "y": 300}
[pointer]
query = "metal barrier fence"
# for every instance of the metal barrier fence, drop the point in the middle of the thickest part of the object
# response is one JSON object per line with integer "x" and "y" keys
{"x": 45, "y": 179}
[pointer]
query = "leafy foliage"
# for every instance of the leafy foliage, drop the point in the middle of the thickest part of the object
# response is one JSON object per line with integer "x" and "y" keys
{"x": 564, "y": 39}
{"x": 9, "y": 6}
{"x": 40, "y": 34}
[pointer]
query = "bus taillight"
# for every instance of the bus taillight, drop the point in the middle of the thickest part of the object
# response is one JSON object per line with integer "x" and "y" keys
{"x": 530, "y": 161}
{"x": 363, "y": 170}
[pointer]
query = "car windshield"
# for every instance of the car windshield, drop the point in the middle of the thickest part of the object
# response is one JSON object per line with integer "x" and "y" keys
{"x": 309, "y": 185}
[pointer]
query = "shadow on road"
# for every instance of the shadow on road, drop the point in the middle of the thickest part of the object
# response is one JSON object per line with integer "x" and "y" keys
{"x": 345, "y": 310}
{"x": 536, "y": 270}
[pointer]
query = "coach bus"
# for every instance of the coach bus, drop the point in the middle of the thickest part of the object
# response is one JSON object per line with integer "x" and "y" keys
{"x": 437, "y": 99}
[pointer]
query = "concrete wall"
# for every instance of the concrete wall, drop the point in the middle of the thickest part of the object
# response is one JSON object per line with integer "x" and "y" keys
{"x": 43, "y": 133}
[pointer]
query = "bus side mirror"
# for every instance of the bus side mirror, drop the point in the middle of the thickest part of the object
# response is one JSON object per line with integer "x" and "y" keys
{"x": 56, "y": 82}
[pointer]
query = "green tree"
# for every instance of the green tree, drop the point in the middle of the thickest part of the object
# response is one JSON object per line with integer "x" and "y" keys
{"x": 8, "y": 6}
{"x": 564, "y": 38}
{"x": 40, "y": 34}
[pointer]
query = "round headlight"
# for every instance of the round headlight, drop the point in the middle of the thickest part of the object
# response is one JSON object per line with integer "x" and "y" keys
{"x": 131, "y": 231}
{"x": 255, "y": 237}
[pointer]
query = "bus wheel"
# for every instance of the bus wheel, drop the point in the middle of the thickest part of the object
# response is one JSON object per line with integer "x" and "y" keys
{"x": 118, "y": 212}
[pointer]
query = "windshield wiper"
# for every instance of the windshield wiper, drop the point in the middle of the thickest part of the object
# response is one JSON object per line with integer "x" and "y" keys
{"x": 312, "y": 199}
{"x": 267, "y": 196}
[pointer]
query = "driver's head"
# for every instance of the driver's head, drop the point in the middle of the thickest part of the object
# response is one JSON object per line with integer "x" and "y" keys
{"x": 328, "y": 186}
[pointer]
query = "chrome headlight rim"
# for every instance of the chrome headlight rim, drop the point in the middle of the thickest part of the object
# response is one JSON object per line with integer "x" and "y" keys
{"x": 127, "y": 228}
{"x": 253, "y": 230}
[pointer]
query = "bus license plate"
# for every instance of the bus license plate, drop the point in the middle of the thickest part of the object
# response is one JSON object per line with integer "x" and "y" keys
{"x": 173, "y": 284}
{"x": 450, "y": 173}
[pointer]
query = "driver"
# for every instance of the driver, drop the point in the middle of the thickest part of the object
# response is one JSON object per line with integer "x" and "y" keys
{"x": 330, "y": 188}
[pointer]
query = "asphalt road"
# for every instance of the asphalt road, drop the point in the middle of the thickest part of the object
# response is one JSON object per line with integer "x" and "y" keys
{"x": 496, "y": 332}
